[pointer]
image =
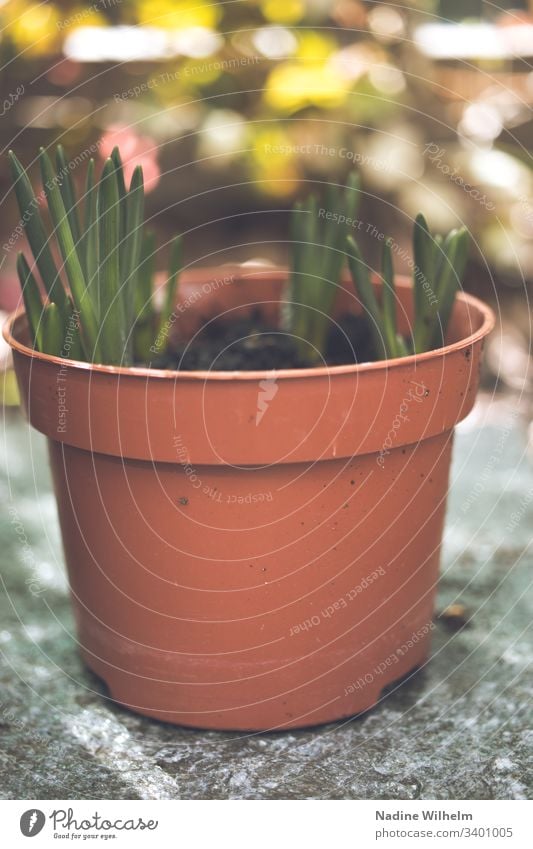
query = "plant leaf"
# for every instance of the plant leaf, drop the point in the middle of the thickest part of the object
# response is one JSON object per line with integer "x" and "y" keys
{"x": 290, "y": 309}
{"x": 389, "y": 300}
{"x": 123, "y": 214}
{"x": 72, "y": 330}
{"x": 365, "y": 290}
{"x": 111, "y": 295}
{"x": 352, "y": 194}
{"x": 133, "y": 242}
{"x": 52, "y": 330}
{"x": 35, "y": 231}
{"x": 68, "y": 193}
{"x": 318, "y": 255}
{"x": 70, "y": 257}
{"x": 176, "y": 258}
{"x": 90, "y": 239}
{"x": 423, "y": 280}
{"x": 453, "y": 268}
{"x": 32, "y": 301}
{"x": 144, "y": 308}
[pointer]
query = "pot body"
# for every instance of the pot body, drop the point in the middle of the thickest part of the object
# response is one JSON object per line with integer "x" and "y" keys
{"x": 252, "y": 550}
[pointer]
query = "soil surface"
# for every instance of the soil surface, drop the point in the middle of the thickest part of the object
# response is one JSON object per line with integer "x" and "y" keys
{"x": 248, "y": 344}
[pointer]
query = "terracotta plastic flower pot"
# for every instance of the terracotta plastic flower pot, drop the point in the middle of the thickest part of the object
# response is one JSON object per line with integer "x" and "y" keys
{"x": 253, "y": 550}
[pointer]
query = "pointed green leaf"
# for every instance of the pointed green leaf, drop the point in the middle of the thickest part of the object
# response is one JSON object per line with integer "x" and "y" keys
{"x": 90, "y": 239}
{"x": 32, "y": 301}
{"x": 144, "y": 309}
{"x": 145, "y": 277}
{"x": 352, "y": 194}
{"x": 73, "y": 268}
{"x": 68, "y": 193}
{"x": 389, "y": 300}
{"x": 35, "y": 231}
{"x": 111, "y": 297}
{"x": 73, "y": 345}
{"x": 176, "y": 259}
{"x": 365, "y": 290}
{"x": 333, "y": 237}
{"x": 318, "y": 255}
{"x": 437, "y": 254}
{"x": 290, "y": 309}
{"x": 123, "y": 214}
{"x": 423, "y": 280}
{"x": 443, "y": 254}
{"x": 310, "y": 281}
{"x": 133, "y": 242}
{"x": 52, "y": 330}
{"x": 449, "y": 283}
{"x": 402, "y": 349}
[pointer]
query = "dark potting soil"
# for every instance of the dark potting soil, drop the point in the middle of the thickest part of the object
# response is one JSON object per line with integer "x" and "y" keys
{"x": 248, "y": 344}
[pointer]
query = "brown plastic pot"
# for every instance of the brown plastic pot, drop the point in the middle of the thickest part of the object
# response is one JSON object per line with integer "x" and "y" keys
{"x": 253, "y": 550}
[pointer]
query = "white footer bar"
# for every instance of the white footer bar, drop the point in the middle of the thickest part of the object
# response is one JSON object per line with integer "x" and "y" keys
{"x": 253, "y": 824}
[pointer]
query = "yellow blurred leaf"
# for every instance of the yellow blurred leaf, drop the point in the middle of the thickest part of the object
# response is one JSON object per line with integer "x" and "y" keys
{"x": 283, "y": 11}
{"x": 178, "y": 14}
{"x": 276, "y": 179}
{"x": 315, "y": 47}
{"x": 272, "y": 145}
{"x": 9, "y": 390}
{"x": 33, "y": 28}
{"x": 292, "y": 86}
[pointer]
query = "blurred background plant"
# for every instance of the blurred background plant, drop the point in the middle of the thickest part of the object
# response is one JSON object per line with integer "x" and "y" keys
{"x": 236, "y": 109}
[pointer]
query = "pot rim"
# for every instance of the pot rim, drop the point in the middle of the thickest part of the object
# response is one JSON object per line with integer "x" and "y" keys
{"x": 487, "y": 325}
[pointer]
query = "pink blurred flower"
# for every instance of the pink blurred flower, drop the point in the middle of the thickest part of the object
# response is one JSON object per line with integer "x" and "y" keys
{"x": 135, "y": 150}
{"x": 64, "y": 72}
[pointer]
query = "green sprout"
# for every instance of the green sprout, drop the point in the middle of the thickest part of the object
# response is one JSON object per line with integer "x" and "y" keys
{"x": 102, "y": 296}
{"x": 320, "y": 246}
{"x": 439, "y": 265}
{"x": 318, "y": 237}
{"x": 107, "y": 260}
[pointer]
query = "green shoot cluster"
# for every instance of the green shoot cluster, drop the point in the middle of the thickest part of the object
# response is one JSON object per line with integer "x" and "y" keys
{"x": 104, "y": 287}
{"x": 320, "y": 246}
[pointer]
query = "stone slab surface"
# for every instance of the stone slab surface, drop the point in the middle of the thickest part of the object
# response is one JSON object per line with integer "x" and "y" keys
{"x": 459, "y": 728}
